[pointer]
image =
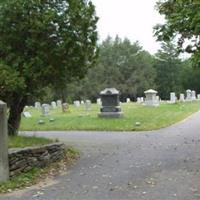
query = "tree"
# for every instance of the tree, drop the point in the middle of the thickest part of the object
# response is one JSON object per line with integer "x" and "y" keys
{"x": 168, "y": 70}
{"x": 182, "y": 23}
{"x": 43, "y": 43}
{"x": 121, "y": 64}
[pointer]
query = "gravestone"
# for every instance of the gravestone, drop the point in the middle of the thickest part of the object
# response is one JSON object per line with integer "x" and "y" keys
{"x": 88, "y": 105}
{"x": 99, "y": 101}
{"x": 193, "y": 95}
{"x": 188, "y": 95}
{"x": 77, "y": 103}
{"x": 37, "y": 105}
{"x": 128, "y": 100}
{"x": 59, "y": 103}
{"x": 4, "y": 167}
{"x": 151, "y": 98}
{"x": 82, "y": 102}
{"x": 142, "y": 99}
{"x": 53, "y": 104}
{"x": 138, "y": 100}
{"x": 198, "y": 96}
{"x": 182, "y": 97}
{"x": 27, "y": 114}
{"x": 110, "y": 104}
{"x": 172, "y": 97}
{"x": 45, "y": 109}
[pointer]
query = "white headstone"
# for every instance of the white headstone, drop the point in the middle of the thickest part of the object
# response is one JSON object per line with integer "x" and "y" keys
{"x": 99, "y": 101}
{"x": 88, "y": 105}
{"x": 182, "y": 97}
{"x": 172, "y": 97}
{"x": 59, "y": 103}
{"x": 128, "y": 100}
{"x": 188, "y": 95}
{"x": 37, "y": 105}
{"x": 193, "y": 93}
{"x": 45, "y": 109}
{"x": 138, "y": 100}
{"x": 82, "y": 102}
{"x": 198, "y": 96}
{"x": 151, "y": 98}
{"x": 53, "y": 104}
{"x": 77, "y": 103}
{"x": 27, "y": 114}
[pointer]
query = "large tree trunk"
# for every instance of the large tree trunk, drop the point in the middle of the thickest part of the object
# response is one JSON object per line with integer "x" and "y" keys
{"x": 14, "y": 119}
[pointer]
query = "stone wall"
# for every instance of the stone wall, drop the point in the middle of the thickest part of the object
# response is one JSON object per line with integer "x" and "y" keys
{"x": 23, "y": 160}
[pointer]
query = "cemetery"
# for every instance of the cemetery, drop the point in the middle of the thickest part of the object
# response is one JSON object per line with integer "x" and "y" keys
{"x": 123, "y": 108}
{"x": 104, "y": 117}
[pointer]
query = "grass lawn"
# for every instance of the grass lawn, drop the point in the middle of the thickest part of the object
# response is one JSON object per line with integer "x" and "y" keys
{"x": 78, "y": 119}
{"x": 20, "y": 141}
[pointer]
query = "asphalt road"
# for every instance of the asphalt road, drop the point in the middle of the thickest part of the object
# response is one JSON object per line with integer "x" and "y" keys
{"x": 155, "y": 165}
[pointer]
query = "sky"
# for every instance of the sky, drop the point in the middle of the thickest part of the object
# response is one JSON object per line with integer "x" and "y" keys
{"x": 133, "y": 19}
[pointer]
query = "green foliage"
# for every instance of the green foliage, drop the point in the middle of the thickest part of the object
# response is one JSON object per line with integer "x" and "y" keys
{"x": 10, "y": 81}
{"x": 78, "y": 119}
{"x": 121, "y": 64}
{"x": 182, "y": 21}
{"x": 169, "y": 69}
{"x": 42, "y": 44}
{"x": 46, "y": 42}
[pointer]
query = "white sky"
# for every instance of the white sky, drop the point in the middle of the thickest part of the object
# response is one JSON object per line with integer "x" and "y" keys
{"x": 133, "y": 19}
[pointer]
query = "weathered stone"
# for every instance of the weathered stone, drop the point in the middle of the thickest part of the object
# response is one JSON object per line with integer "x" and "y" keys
{"x": 27, "y": 114}
{"x": 53, "y": 105}
{"x": 37, "y": 105}
{"x": 172, "y": 97}
{"x": 188, "y": 95}
{"x": 151, "y": 98}
{"x": 59, "y": 103}
{"x": 22, "y": 160}
{"x": 88, "y": 105}
{"x": 193, "y": 95}
{"x": 99, "y": 102}
{"x": 182, "y": 97}
{"x": 110, "y": 103}
{"x": 4, "y": 167}
{"x": 45, "y": 109}
{"x": 77, "y": 103}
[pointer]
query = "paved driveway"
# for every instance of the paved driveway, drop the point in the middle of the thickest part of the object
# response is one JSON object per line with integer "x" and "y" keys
{"x": 155, "y": 165}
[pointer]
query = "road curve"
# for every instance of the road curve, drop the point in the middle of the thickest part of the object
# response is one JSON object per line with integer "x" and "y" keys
{"x": 154, "y": 165}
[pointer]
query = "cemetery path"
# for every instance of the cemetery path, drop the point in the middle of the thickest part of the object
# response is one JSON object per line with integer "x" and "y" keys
{"x": 154, "y": 165}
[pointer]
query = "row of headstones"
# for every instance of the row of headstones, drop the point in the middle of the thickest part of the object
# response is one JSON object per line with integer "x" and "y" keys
{"x": 53, "y": 105}
{"x": 45, "y": 108}
{"x": 87, "y": 104}
{"x": 153, "y": 99}
{"x": 190, "y": 96}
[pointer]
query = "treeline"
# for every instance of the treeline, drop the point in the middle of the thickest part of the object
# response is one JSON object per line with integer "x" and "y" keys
{"x": 130, "y": 69}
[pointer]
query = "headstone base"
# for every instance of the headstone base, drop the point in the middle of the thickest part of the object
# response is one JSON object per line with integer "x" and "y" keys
{"x": 110, "y": 114}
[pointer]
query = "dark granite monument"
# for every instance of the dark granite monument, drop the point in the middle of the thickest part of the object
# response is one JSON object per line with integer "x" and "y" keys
{"x": 110, "y": 103}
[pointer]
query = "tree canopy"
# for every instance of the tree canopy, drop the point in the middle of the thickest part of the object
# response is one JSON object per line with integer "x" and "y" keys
{"x": 121, "y": 64}
{"x": 169, "y": 70}
{"x": 43, "y": 43}
{"x": 182, "y": 23}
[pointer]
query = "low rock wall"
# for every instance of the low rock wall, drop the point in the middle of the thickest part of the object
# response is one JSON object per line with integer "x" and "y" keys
{"x": 23, "y": 160}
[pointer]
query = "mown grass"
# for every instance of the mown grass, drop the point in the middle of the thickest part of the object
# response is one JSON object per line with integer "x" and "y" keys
{"x": 21, "y": 141}
{"x": 150, "y": 118}
{"x": 36, "y": 175}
